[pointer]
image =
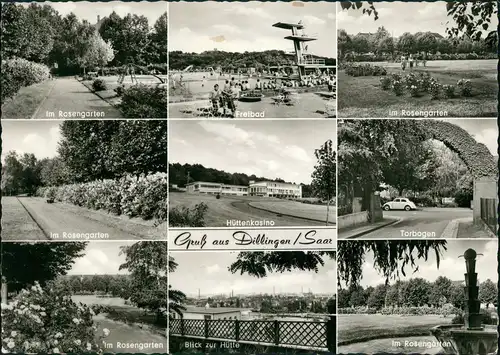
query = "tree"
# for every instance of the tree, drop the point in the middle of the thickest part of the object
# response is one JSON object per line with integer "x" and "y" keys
{"x": 417, "y": 292}
{"x": 25, "y": 263}
{"x": 471, "y": 18}
{"x": 343, "y": 43}
{"x": 390, "y": 257}
{"x": 457, "y": 296}
{"x": 360, "y": 43}
{"x": 12, "y": 172}
{"x": 148, "y": 263}
{"x": 98, "y": 52}
{"x": 488, "y": 292}
{"x": 159, "y": 40}
{"x": 343, "y": 299}
{"x": 407, "y": 43}
{"x": 377, "y": 297}
{"x": 426, "y": 42}
{"x": 386, "y": 45}
{"x": 357, "y": 296}
{"x": 324, "y": 183}
{"x": 395, "y": 294}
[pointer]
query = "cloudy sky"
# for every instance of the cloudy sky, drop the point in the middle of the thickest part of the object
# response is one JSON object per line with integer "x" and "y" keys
{"x": 247, "y": 26}
{"x": 86, "y": 10}
{"x": 398, "y": 17}
{"x": 34, "y": 136}
{"x": 450, "y": 264}
{"x": 483, "y": 130}
{"x": 271, "y": 149}
{"x": 100, "y": 258}
{"x": 208, "y": 271}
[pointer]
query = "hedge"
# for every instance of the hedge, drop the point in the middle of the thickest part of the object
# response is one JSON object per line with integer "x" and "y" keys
{"x": 365, "y": 70}
{"x": 142, "y": 101}
{"x": 18, "y": 73}
{"x": 401, "y": 310}
{"x": 144, "y": 196}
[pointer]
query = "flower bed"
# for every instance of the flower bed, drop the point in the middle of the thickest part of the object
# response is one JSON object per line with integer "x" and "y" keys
{"x": 144, "y": 196}
{"x": 48, "y": 321}
{"x": 18, "y": 73}
{"x": 417, "y": 85}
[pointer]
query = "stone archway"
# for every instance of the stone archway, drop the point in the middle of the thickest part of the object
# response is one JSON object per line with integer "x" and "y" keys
{"x": 476, "y": 156}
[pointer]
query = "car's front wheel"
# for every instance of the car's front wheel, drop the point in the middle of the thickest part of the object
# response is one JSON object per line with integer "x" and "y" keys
{"x": 407, "y": 208}
{"x": 386, "y": 208}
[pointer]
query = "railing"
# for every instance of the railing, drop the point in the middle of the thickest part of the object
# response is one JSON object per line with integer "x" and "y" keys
{"x": 489, "y": 213}
{"x": 313, "y": 61}
{"x": 314, "y": 335}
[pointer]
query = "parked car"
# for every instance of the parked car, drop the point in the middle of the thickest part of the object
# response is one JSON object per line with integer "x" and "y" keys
{"x": 399, "y": 204}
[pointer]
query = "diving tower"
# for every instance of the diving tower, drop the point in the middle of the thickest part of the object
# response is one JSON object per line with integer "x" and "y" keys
{"x": 305, "y": 63}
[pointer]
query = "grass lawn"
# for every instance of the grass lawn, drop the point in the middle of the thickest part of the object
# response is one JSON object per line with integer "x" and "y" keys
{"x": 363, "y": 96}
{"x": 238, "y": 208}
{"x": 297, "y": 209}
{"x": 17, "y": 223}
{"x": 27, "y": 101}
{"x": 357, "y": 328}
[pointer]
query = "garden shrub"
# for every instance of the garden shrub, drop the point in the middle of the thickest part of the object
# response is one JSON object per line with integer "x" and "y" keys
{"x": 402, "y": 310}
{"x": 142, "y": 101}
{"x": 449, "y": 91}
{"x": 186, "y": 217}
{"x": 465, "y": 87}
{"x": 48, "y": 321}
{"x": 365, "y": 70}
{"x": 435, "y": 89}
{"x": 142, "y": 196}
{"x": 18, "y": 73}
{"x": 99, "y": 85}
{"x": 385, "y": 82}
{"x": 120, "y": 90}
{"x": 486, "y": 317}
{"x": 463, "y": 197}
{"x": 397, "y": 87}
{"x": 424, "y": 201}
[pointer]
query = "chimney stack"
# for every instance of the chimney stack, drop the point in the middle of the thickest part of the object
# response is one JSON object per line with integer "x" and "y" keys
{"x": 98, "y": 18}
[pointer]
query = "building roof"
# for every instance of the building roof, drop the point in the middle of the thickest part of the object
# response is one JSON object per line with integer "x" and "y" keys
{"x": 214, "y": 183}
{"x": 275, "y": 182}
{"x": 216, "y": 310}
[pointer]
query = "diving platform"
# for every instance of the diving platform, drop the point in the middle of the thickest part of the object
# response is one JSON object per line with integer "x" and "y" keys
{"x": 289, "y": 26}
{"x": 301, "y": 38}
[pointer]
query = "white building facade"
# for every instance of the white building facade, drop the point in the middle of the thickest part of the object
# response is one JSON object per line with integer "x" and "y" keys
{"x": 275, "y": 189}
{"x": 219, "y": 313}
{"x": 213, "y": 188}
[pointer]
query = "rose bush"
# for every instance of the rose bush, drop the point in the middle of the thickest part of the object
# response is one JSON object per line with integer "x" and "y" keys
{"x": 47, "y": 321}
{"x": 142, "y": 196}
{"x": 465, "y": 87}
{"x": 449, "y": 91}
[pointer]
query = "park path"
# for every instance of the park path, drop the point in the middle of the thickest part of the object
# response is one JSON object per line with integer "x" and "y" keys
{"x": 56, "y": 219}
{"x": 124, "y": 338}
{"x": 68, "y": 95}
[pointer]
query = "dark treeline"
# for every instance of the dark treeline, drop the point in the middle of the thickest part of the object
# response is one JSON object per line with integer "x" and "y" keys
{"x": 178, "y": 175}
{"x": 231, "y": 60}
{"x": 114, "y": 285}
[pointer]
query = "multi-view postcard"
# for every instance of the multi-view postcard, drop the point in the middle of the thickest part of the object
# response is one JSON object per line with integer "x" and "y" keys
{"x": 252, "y": 60}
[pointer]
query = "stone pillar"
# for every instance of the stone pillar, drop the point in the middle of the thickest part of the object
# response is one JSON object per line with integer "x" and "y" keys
{"x": 376, "y": 214}
{"x": 484, "y": 187}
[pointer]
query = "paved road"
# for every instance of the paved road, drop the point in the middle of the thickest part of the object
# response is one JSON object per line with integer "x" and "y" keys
{"x": 425, "y": 223}
{"x": 59, "y": 223}
{"x": 69, "y": 95}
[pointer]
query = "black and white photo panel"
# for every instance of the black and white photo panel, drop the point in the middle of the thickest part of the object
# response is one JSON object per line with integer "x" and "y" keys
{"x": 417, "y": 59}
{"x": 417, "y": 296}
{"x": 84, "y": 180}
{"x": 80, "y": 60}
{"x": 253, "y": 59}
{"x": 417, "y": 178}
{"x": 84, "y": 297}
{"x": 253, "y": 302}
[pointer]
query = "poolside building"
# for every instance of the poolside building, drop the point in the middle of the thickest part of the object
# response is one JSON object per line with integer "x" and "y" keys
{"x": 275, "y": 189}
{"x": 216, "y": 313}
{"x": 214, "y": 188}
